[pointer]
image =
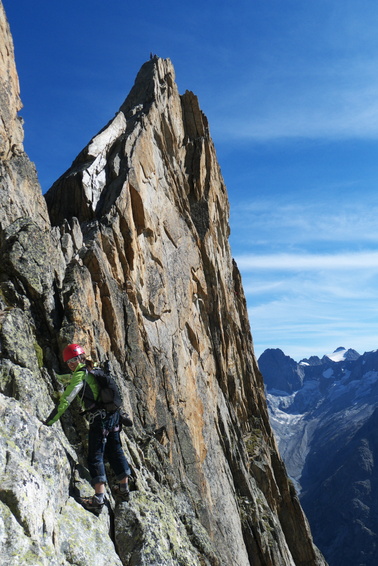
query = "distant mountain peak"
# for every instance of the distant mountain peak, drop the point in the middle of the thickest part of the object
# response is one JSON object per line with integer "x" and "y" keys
{"x": 280, "y": 372}
{"x": 341, "y": 354}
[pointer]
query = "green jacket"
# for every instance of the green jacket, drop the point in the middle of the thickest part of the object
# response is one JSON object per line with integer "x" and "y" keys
{"x": 81, "y": 382}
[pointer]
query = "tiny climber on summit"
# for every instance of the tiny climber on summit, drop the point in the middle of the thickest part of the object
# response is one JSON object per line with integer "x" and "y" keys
{"x": 104, "y": 428}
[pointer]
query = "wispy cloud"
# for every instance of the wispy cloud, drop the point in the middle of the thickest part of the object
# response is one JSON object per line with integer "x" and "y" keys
{"x": 304, "y": 325}
{"x": 310, "y": 302}
{"x": 260, "y": 224}
{"x": 315, "y": 80}
{"x": 262, "y": 286}
{"x": 308, "y": 255}
{"x": 346, "y": 115}
{"x": 302, "y": 262}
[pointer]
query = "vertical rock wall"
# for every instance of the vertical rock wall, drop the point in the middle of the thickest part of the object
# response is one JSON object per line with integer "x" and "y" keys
{"x": 20, "y": 193}
{"x": 137, "y": 268}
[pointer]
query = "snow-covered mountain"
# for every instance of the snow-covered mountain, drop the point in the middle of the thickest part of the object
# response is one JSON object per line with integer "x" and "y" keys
{"x": 324, "y": 412}
{"x": 342, "y": 354}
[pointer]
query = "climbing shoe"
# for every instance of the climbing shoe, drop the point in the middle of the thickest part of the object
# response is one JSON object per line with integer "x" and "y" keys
{"x": 92, "y": 504}
{"x": 120, "y": 492}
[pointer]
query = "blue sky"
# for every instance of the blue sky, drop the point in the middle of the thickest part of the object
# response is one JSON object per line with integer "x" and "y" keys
{"x": 290, "y": 88}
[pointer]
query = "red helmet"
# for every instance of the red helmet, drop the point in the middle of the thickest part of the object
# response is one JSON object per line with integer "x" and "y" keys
{"x": 71, "y": 351}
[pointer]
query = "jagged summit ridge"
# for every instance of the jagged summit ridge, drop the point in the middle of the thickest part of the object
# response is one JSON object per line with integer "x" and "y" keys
{"x": 153, "y": 118}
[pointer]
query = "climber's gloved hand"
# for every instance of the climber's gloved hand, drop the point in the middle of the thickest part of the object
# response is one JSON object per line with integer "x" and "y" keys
{"x": 124, "y": 419}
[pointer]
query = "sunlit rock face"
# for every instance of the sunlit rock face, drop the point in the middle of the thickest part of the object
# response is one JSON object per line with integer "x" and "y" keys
{"x": 138, "y": 269}
{"x": 20, "y": 193}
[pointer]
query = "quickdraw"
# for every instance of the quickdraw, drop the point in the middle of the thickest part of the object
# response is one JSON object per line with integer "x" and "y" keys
{"x": 99, "y": 413}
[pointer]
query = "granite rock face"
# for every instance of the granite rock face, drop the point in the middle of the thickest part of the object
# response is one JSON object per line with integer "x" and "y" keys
{"x": 135, "y": 265}
{"x": 20, "y": 193}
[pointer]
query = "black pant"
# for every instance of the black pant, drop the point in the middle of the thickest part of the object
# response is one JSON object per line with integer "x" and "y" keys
{"x": 104, "y": 440}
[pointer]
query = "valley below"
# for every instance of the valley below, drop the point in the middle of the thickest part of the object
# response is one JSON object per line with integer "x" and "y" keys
{"x": 324, "y": 413}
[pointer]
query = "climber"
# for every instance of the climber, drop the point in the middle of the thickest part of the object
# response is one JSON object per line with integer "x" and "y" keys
{"x": 104, "y": 429}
